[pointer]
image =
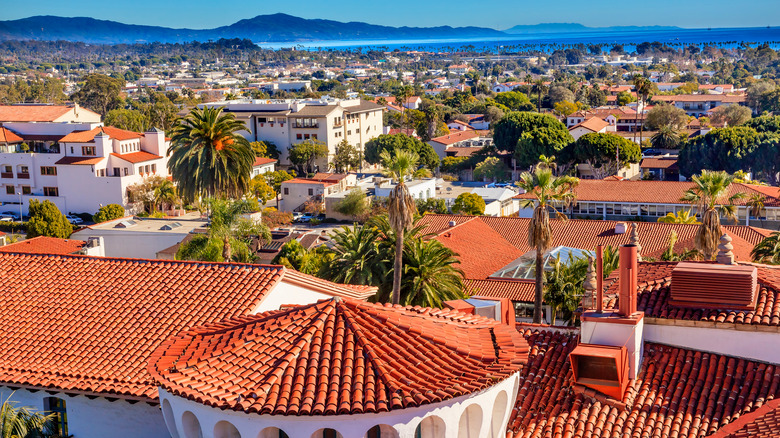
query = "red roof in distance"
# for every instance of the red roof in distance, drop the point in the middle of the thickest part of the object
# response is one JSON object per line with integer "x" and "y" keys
{"x": 45, "y": 245}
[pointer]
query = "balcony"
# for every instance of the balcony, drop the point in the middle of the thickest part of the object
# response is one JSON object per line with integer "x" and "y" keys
{"x": 23, "y": 175}
{"x": 6, "y": 174}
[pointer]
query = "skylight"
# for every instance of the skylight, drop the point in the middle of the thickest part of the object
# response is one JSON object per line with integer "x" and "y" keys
{"x": 523, "y": 267}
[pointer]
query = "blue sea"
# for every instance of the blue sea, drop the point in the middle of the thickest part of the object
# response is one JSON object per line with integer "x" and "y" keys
{"x": 723, "y": 37}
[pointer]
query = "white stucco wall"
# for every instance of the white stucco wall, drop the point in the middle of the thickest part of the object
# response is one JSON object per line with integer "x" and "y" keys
{"x": 132, "y": 244}
{"x": 99, "y": 418}
{"x": 748, "y": 341}
{"x": 477, "y": 423}
{"x": 617, "y": 334}
{"x": 286, "y": 293}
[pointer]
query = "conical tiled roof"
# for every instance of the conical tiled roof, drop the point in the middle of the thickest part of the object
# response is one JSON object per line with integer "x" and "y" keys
{"x": 337, "y": 357}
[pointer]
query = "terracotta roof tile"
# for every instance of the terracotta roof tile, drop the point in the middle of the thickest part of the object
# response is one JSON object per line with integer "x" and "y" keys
{"x": 260, "y": 161}
{"x": 337, "y": 357}
{"x": 88, "y": 136}
{"x": 678, "y": 393}
{"x": 481, "y": 251}
{"x": 761, "y": 423}
{"x": 8, "y": 136}
{"x": 658, "y": 163}
{"x": 455, "y": 137}
{"x": 137, "y": 157}
{"x": 35, "y": 113}
{"x": 515, "y": 290}
{"x": 79, "y": 160}
{"x": 594, "y": 124}
{"x": 45, "y": 245}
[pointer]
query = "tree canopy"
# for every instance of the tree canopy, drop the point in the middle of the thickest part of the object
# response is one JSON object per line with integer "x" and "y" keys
{"x": 47, "y": 220}
{"x": 492, "y": 169}
{"x": 469, "y": 203}
{"x": 108, "y": 212}
{"x": 100, "y": 93}
{"x": 666, "y": 116}
{"x": 303, "y": 155}
{"x": 530, "y": 135}
{"x": 391, "y": 142}
{"x": 599, "y": 149}
{"x": 726, "y": 149}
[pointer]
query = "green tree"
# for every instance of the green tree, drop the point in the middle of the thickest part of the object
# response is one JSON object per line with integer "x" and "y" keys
{"x": 600, "y": 150}
{"x": 767, "y": 124}
{"x": 401, "y": 207}
{"x": 47, "y": 220}
{"x": 355, "y": 204}
{"x": 708, "y": 194}
{"x": 391, "y": 142}
{"x": 469, "y": 204}
{"x": 357, "y": 259}
{"x": 265, "y": 149}
{"x": 304, "y": 155}
{"x": 294, "y": 256}
{"x": 431, "y": 205}
{"x": 453, "y": 164}
{"x": 666, "y": 115}
{"x": 146, "y": 192}
{"x": 492, "y": 168}
{"x": 100, "y": 93}
{"x": 530, "y": 135}
{"x": 624, "y": 98}
{"x": 260, "y": 189}
{"x": 728, "y": 149}
{"x": 108, "y": 212}
{"x": 207, "y": 155}
{"x": 22, "y": 422}
{"x": 131, "y": 120}
{"x": 666, "y": 138}
{"x": 563, "y": 288}
{"x": 165, "y": 195}
{"x": 347, "y": 158}
{"x": 548, "y": 192}
{"x": 430, "y": 274}
{"x": 229, "y": 235}
{"x": 768, "y": 250}
{"x": 681, "y": 217}
{"x": 732, "y": 115}
{"x": 275, "y": 180}
{"x": 564, "y": 108}
{"x": 515, "y": 101}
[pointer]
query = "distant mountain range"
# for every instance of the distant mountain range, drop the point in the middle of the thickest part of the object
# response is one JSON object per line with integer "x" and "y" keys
{"x": 524, "y": 29}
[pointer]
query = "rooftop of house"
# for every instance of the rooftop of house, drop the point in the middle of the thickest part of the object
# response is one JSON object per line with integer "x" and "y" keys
{"x": 262, "y": 161}
{"x": 594, "y": 124}
{"x": 456, "y": 137}
{"x": 89, "y": 136}
{"x": 112, "y": 313}
{"x": 657, "y": 192}
{"x": 724, "y": 98}
{"x": 9, "y": 137}
{"x": 659, "y": 163}
{"x": 137, "y": 157}
{"x": 36, "y": 112}
{"x": 678, "y": 392}
{"x": 368, "y": 355}
{"x": 45, "y": 245}
{"x": 149, "y": 225}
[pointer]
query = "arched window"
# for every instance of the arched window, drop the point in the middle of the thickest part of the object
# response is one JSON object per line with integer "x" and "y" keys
{"x": 272, "y": 432}
{"x": 499, "y": 411}
{"x": 470, "y": 422}
{"x": 59, "y": 422}
{"x": 327, "y": 433}
{"x": 223, "y": 429}
{"x": 382, "y": 431}
{"x": 191, "y": 425}
{"x": 170, "y": 422}
{"x": 430, "y": 427}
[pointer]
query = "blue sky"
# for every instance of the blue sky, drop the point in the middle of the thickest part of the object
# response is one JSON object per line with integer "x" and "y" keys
{"x": 499, "y": 14}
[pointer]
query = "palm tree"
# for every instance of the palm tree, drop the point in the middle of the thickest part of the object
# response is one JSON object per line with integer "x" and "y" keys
{"x": 208, "y": 156}
{"x": 642, "y": 86}
{"x": 682, "y": 217}
{"x": 430, "y": 275}
{"x": 357, "y": 259}
{"x": 165, "y": 194}
{"x": 670, "y": 256}
{"x": 768, "y": 250}
{"x": 229, "y": 235}
{"x": 21, "y": 422}
{"x": 539, "y": 88}
{"x": 402, "y": 94}
{"x": 755, "y": 204}
{"x": 707, "y": 195}
{"x": 665, "y": 138}
{"x": 401, "y": 208}
{"x": 564, "y": 287}
{"x": 549, "y": 192}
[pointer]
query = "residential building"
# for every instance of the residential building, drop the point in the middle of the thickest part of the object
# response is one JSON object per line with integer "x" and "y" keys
{"x": 104, "y": 319}
{"x": 141, "y": 238}
{"x": 45, "y": 113}
{"x": 453, "y": 139}
{"x": 298, "y": 191}
{"x": 591, "y": 125}
{"x": 499, "y": 201}
{"x": 698, "y": 105}
{"x": 663, "y": 168}
{"x": 263, "y": 165}
{"x": 423, "y": 189}
{"x": 650, "y": 200}
{"x": 507, "y": 86}
{"x": 288, "y": 122}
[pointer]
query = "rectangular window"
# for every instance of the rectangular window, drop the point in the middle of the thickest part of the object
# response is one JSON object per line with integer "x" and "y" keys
{"x": 101, "y": 172}
{"x": 299, "y": 136}
{"x": 154, "y": 168}
{"x": 116, "y": 171}
{"x": 51, "y": 191}
{"x": 88, "y": 151}
{"x": 314, "y": 136}
{"x": 48, "y": 170}
{"x": 59, "y": 423}
{"x": 127, "y": 172}
{"x": 26, "y": 190}
{"x": 24, "y": 169}
{"x": 286, "y": 191}
{"x": 7, "y": 169}
{"x": 311, "y": 192}
{"x": 9, "y": 190}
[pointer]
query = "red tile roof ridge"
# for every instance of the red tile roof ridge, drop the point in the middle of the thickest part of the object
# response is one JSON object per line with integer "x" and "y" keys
{"x": 346, "y": 290}
{"x": 735, "y": 429}
{"x": 44, "y": 245}
{"x": 137, "y": 157}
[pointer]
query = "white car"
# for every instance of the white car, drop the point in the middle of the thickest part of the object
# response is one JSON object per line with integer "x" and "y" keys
{"x": 75, "y": 220}
{"x": 9, "y": 215}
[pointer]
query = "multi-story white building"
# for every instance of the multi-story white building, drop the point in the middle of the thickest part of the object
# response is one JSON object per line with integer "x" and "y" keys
{"x": 78, "y": 165}
{"x": 288, "y": 122}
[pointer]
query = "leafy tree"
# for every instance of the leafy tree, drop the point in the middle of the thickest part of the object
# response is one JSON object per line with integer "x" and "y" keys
{"x": 47, "y": 220}
{"x": 453, "y": 164}
{"x": 347, "y": 157}
{"x": 559, "y": 93}
{"x": 757, "y": 94}
{"x": 273, "y": 218}
{"x": 564, "y": 108}
{"x": 669, "y": 255}
{"x": 22, "y": 422}
{"x": 493, "y": 168}
{"x": 515, "y": 101}
{"x": 469, "y": 204}
{"x": 667, "y": 138}
{"x": 355, "y": 204}
{"x": 624, "y": 98}
{"x": 265, "y": 149}
{"x": 430, "y": 274}
{"x": 563, "y": 288}
{"x": 549, "y": 192}
{"x": 768, "y": 124}
{"x": 732, "y": 115}
{"x": 131, "y": 120}
{"x": 357, "y": 259}
{"x": 207, "y": 155}
{"x": 661, "y": 116}
{"x": 108, "y": 212}
{"x": 681, "y": 217}
{"x": 768, "y": 250}
{"x": 294, "y": 256}
{"x": 391, "y": 142}
{"x": 707, "y": 195}
{"x": 599, "y": 150}
{"x": 229, "y": 235}
{"x": 275, "y": 180}
{"x": 303, "y": 155}
{"x": 530, "y": 135}
{"x": 165, "y": 195}
{"x": 431, "y": 205}
{"x": 260, "y": 189}
{"x": 401, "y": 207}
{"x": 728, "y": 149}
{"x": 100, "y": 93}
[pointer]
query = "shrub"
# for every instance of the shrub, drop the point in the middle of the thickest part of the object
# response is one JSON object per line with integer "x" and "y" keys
{"x": 108, "y": 212}
{"x": 47, "y": 220}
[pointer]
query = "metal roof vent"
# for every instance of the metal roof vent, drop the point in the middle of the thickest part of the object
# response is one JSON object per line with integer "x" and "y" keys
{"x": 714, "y": 286}
{"x": 620, "y": 228}
{"x": 452, "y": 224}
{"x": 125, "y": 224}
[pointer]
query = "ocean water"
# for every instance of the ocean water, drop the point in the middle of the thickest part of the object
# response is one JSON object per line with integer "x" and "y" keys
{"x": 723, "y": 37}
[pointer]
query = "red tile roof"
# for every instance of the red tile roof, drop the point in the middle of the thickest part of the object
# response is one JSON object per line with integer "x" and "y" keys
{"x": 338, "y": 357}
{"x": 8, "y": 136}
{"x": 455, "y": 137}
{"x": 45, "y": 245}
{"x": 137, "y": 157}
{"x": 35, "y": 113}
{"x": 678, "y": 393}
{"x": 594, "y": 124}
{"x": 79, "y": 160}
{"x": 764, "y": 422}
{"x": 481, "y": 251}
{"x": 700, "y": 98}
{"x": 88, "y": 136}
{"x": 260, "y": 161}
{"x": 658, "y": 163}
{"x": 515, "y": 290}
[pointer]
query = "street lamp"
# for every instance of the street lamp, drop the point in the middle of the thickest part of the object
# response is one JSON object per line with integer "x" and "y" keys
{"x": 20, "y": 205}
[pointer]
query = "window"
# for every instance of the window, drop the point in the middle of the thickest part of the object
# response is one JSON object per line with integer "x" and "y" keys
{"x": 48, "y": 170}
{"x": 26, "y": 190}
{"x": 56, "y": 406}
{"x": 51, "y": 191}
{"x": 154, "y": 168}
{"x": 524, "y": 310}
{"x": 24, "y": 170}
{"x": 7, "y": 169}
{"x": 127, "y": 172}
{"x": 299, "y": 136}
{"x": 9, "y": 190}
{"x": 311, "y": 192}
{"x": 314, "y": 136}
{"x": 116, "y": 171}
{"x": 88, "y": 151}
{"x": 349, "y": 132}
{"x": 329, "y": 433}
{"x": 286, "y": 191}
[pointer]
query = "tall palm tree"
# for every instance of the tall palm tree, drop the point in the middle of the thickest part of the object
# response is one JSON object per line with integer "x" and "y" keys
{"x": 682, "y": 217}
{"x": 401, "y": 208}
{"x": 539, "y": 88}
{"x": 642, "y": 86}
{"x": 768, "y": 250}
{"x": 21, "y": 422}
{"x": 665, "y": 138}
{"x": 229, "y": 235}
{"x": 755, "y": 203}
{"x": 357, "y": 258}
{"x": 549, "y": 192}
{"x": 708, "y": 195}
{"x": 208, "y": 157}
{"x": 402, "y": 94}
{"x": 430, "y": 275}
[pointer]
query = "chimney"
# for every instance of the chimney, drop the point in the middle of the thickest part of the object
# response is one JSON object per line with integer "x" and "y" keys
{"x": 628, "y": 280}
{"x": 620, "y": 228}
{"x": 725, "y": 256}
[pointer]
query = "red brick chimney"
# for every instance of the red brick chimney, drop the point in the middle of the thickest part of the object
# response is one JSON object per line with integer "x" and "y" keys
{"x": 628, "y": 281}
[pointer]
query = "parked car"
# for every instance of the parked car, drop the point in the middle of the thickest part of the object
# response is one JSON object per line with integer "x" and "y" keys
{"x": 296, "y": 215}
{"x": 10, "y": 215}
{"x": 651, "y": 153}
{"x": 75, "y": 220}
{"x": 306, "y": 217}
